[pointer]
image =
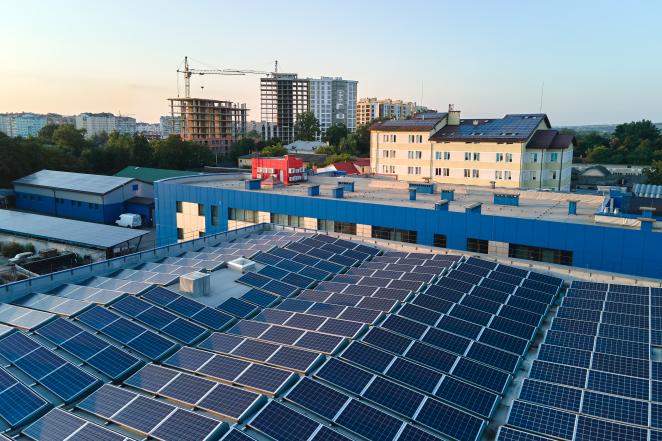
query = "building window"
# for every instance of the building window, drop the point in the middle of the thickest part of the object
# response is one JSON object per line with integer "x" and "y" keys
{"x": 385, "y": 138}
{"x": 414, "y": 170}
{"x": 344, "y": 227}
{"x": 446, "y": 172}
{"x": 437, "y": 171}
{"x": 439, "y": 240}
{"x": 201, "y": 210}
{"x": 475, "y": 173}
{"x": 467, "y": 156}
{"x": 509, "y": 157}
{"x": 214, "y": 215}
{"x": 553, "y": 174}
{"x": 553, "y": 157}
{"x": 467, "y": 173}
{"x": 539, "y": 254}
{"x": 395, "y": 234}
{"x": 437, "y": 156}
{"x": 135, "y": 187}
{"x": 415, "y": 154}
{"x": 498, "y": 174}
{"x": 447, "y": 156}
{"x": 499, "y": 157}
{"x": 287, "y": 220}
{"x": 534, "y": 157}
{"x": 180, "y": 234}
{"x": 394, "y": 138}
{"x": 179, "y": 207}
{"x": 507, "y": 175}
{"x": 476, "y": 156}
{"x": 477, "y": 245}
{"x": 238, "y": 214}
{"x": 201, "y": 233}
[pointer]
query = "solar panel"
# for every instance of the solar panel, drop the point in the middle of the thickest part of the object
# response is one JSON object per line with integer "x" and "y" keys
{"x": 132, "y": 335}
{"x": 493, "y": 356}
{"x": 593, "y": 429}
{"x": 237, "y": 307}
{"x": 561, "y": 355}
{"x": 254, "y": 280}
{"x": 552, "y": 395}
{"x": 280, "y": 288}
{"x": 369, "y": 422}
{"x": 282, "y": 423}
{"x": 481, "y": 375}
{"x": 160, "y": 319}
{"x": 468, "y": 396}
{"x": 188, "y": 308}
{"x": 618, "y": 385}
{"x": 510, "y": 434}
{"x": 18, "y": 403}
{"x": 223, "y": 400}
{"x": 96, "y": 352}
{"x": 59, "y": 425}
{"x": 59, "y": 376}
{"x": 419, "y": 314}
{"x": 556, "y": 373}
{"x": 543, "y": 420}
{"x": 259, "y": 298}
{"x": 430, "y": 356}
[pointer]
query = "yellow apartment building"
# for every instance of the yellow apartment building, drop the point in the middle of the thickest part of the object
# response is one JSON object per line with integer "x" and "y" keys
{"x": 516, "y": 151}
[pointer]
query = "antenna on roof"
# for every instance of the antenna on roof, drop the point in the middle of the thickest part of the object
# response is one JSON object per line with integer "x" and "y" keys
{"x": 542, "y": 92}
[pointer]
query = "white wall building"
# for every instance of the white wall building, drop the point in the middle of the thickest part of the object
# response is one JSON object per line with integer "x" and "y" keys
{"x": 170, "y": 125}
{"x": 96, "y": 123}
{"x": 516, "y": 151}
{"x": 22, "y": 124}
{"x": 332, "y": 100}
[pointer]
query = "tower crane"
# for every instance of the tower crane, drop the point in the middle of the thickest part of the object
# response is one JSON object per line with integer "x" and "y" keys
{"x": 188, "y": 72}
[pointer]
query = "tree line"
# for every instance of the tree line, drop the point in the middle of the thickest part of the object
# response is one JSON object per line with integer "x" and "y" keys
{"x": 63, "y": 147}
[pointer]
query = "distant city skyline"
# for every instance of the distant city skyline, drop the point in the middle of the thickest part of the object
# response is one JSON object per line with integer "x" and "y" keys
{"x": 596, "y": 59}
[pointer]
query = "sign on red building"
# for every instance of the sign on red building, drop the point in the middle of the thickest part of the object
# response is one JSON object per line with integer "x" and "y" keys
{"x": 288, "y": 169}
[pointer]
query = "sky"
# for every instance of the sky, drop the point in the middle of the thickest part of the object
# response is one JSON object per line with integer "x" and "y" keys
{"x": 599, "y": 61}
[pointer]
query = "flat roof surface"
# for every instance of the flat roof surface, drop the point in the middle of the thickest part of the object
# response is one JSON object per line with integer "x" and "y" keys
{"x": 82, "y": 182}
{"x": 148, "y": 174}
{"x": 65, "y": 230}
{"x": 533, "y": 204}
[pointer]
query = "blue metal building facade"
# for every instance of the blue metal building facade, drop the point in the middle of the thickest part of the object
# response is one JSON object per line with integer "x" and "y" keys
{"x": 91, "y": 198}
{"x": 605, "y": 248}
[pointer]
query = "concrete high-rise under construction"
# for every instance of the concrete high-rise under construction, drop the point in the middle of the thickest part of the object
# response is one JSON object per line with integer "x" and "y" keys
{"x": 284, "y": 96}
{"x": 216, "y": 124}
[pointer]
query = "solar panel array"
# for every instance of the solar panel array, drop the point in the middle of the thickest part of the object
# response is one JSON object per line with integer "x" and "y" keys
{"x": 334, "y": 340}
{"x": 595, "y": 377}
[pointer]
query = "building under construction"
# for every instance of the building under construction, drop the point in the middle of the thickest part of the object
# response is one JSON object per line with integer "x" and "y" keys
{"x": 216, "y": 124}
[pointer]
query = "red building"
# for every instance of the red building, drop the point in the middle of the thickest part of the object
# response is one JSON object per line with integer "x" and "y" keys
{"x": 288, "y": 169}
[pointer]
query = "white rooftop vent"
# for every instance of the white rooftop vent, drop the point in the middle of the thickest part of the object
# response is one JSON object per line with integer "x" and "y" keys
{"x": 241, "y": 264}
{"x": 195, "y": 284}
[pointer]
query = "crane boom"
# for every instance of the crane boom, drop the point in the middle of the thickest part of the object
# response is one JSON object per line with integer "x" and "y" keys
{"x": 188, "y": 72}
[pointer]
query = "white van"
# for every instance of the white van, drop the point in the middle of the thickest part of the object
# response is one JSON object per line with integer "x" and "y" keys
{"x": 129, "y": 220}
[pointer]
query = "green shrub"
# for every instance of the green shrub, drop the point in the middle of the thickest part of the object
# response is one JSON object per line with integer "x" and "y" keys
{"x": 10, "y": 249}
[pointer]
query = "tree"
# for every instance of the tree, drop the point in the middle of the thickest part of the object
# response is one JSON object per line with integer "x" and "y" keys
{"x": 362, "y": 135}
{"x": 46, "y": 133}
{"x": 175, "y": 153}
{"x": 335, "y": 133}
{"x": 654, "y": 174}
{"x": 274, "y": 151}
{"x": 340, "y": 157}
{"x": 307, "y": 127}
{"x": 141, "y": 151}
{"x": 70, "y": 138}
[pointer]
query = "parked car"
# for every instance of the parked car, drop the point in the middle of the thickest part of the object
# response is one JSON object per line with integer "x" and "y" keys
{"x": 129, "y": 220}
{"x": 21, "y": 256}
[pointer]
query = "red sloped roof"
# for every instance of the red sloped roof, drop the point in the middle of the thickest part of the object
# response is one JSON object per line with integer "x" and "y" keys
{"x": 362, "y": 162}
{"x": 346, "y": 167}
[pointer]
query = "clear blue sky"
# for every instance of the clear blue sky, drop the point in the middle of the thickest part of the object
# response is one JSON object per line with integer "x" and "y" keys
{"x": 600, "y": 60}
